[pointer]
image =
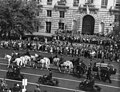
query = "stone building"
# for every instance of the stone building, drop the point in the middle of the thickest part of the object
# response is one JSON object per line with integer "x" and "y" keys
{"x": 79, "y": 16}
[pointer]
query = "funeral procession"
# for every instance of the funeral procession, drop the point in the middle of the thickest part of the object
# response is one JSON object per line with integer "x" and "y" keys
{"x": 59, "y": 45}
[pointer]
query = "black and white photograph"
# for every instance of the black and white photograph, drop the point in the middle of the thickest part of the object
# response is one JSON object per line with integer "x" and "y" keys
{"x": 59, "y": 45}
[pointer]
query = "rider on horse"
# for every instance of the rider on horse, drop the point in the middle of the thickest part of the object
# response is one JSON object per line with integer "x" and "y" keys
{"x": 16, "y": 70}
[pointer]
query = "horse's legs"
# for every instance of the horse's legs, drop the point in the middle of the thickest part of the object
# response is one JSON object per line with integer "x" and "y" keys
{"x": 30, "y": 62}
{"x": 59, "y": 69}
{"x": 8, "y": 63}
{"x": 8, "y": 66}
{"x": 42, "y": 66}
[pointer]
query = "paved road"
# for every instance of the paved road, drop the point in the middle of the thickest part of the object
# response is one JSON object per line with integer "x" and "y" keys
{"x": 68, "y": 83}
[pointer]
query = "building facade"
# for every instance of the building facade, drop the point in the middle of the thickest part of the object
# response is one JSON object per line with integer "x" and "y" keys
{"x": 79, "y": 16}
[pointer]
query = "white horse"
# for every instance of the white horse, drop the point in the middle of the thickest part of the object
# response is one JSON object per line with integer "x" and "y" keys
{"x": 23, "y": 63}
{"x": 45, "y": 63}
{"x": 68, "y": 65}
{"x": 56, "y": 61}
{"x": 33, "y": 57}
{"x": 18, "y": 62}
{"x": 8, "y": 57}
{"x": 27, "y": 60}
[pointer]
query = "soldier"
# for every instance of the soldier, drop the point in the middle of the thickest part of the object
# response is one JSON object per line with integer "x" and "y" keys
{"x": 89, "y": 71}
{"x": 49, "y": 77}
{"x": 16, "y": 70}
{"x": 108, "y": 75}
{"x": 99, "y": 73}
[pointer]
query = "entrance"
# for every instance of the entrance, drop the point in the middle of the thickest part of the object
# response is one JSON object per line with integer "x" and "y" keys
{"x": 88, "y": 25}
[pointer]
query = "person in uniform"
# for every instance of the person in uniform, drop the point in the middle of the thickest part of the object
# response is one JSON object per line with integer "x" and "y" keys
{"x": 108, "y": 75}
{"x": 99, "y": 73}
{"x": 49, "y": 77}
{"x": 16, "y": 70}
{"x": 89, "y": 71}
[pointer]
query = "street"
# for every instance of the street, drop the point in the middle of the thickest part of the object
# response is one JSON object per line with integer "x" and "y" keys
{"x": 67, "y": 82}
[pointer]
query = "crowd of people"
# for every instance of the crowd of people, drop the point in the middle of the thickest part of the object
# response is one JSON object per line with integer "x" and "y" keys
{"x": 87, "y": 48}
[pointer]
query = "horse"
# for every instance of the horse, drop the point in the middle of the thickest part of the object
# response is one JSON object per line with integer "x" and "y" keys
{"x": 27, "y": 59}
{"x": 23, "y": 63}
{"x": 68, "y": 66}
{"x": 8, "y": 57}
{"x": 33, "y": 58}
{"x": 18, "y": 62}
{"x": 56, "y": 61}
{"x": 45, "y": 63}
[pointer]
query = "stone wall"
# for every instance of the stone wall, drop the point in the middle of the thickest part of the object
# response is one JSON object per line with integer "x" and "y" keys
{"x": 74, "y": 14}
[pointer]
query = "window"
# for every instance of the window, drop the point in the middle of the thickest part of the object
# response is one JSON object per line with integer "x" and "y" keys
{"x": 75, "y": 2}
{"x": 117, "y": 6}
{"x": 38, "y": 1}
{"x": 49, "y": 13}
{"x": 48, "y": 27}
{"x": 37, "y": 28}
{"x": 118, "y": 1}
{"x": 89, "y": 1}
{"x": 117, "y": 18}
{"x": 49, "y": 2}
{"x": 104, "y": 3}
{"x": 62, "y": 14}
{"x": 61, "y": 25}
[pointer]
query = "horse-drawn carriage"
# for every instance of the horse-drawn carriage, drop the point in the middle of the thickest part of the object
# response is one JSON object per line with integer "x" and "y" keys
{"x": 14, "y": 74}
{"x": 104, "y": 66}
{"x": 101, "y": 70}
{"x": 79, "y": 69}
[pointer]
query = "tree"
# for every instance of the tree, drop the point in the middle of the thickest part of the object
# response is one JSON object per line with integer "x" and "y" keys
{"x": 18, "y": 17}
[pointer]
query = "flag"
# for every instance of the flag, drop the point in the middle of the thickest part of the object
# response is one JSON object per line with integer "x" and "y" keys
{"x": 88, "y": 11}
